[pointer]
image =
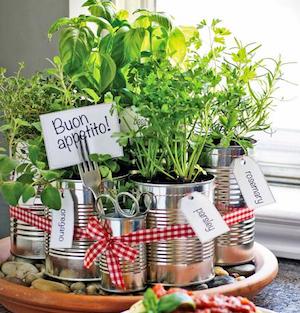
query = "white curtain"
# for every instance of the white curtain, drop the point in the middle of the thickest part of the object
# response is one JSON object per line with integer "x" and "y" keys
{"x": 132, "y": 5}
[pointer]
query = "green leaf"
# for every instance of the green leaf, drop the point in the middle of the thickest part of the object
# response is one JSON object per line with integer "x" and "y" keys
{"x": 99, "y": 73}
{"x": 33, "y": 153}
{"x": 37, "y": 126}
{"x": 92, "y": 94}
{"x": 104, "y": 170}
{"x": 7, "y": 166}
{"x": 28, "y": 193}
{"x": 127, "y": 46}
{"x": 122, "y": 15}
{"x": 26, "y": 178}
{"x": 74, "y": 48}
{"x": 171, "y": 302}
{"x": 156, "y": 17}
{"x": 63, "y": 21}
{"x": 100, "y": 21}
{"x": 12, "y": 192}
{"x": 20, "y": 122}
{"x": 50, "y": 197}
{"x": 5, "y": 127}
{"x": 41, "y": 165}
{"x": 176, "y": 46}
{"x": 21, "y": 167}
{"x": 89, "y": 2}
{"x": 150, "y": 301}
{"x": 51, "y": 175}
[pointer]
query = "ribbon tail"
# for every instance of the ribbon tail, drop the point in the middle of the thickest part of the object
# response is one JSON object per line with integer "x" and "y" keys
{"x": 32, "y": 219}
{"x": 92, "y": 253}
{"x": 114, "y": 268}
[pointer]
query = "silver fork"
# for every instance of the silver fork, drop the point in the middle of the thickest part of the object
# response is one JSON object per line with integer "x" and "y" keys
{"x": 90, "y": 174}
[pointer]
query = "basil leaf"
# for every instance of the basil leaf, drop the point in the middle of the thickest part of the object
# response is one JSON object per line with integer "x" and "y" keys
{"x": 150, "y": 301}
{"x": 170, "y": 303}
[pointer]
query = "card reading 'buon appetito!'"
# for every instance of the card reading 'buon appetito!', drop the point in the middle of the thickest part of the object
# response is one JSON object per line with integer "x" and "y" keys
{"x": 63, "y": 131}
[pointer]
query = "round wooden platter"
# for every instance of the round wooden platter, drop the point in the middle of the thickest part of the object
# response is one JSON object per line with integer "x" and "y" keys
{"x": 19, "y": 299}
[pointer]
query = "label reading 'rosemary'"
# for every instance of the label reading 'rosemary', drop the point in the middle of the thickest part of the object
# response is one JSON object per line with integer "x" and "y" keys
{"x": 63, "y": 223}
{"x": 252, "y": 182}
{"x": 203, "y": 216}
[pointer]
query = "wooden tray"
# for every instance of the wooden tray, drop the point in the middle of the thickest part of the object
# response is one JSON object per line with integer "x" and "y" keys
{"x": 19, "y": 299}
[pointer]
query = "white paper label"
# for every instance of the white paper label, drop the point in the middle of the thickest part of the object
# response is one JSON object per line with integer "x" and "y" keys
{"x": 63, "y": 130}
{"x": 131, "y": 120}
{"x": 252, "y": 182}
{"x": 63, "y": 223}
{"x": 203, "y": 217}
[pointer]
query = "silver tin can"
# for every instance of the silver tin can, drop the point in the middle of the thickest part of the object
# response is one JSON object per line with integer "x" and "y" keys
{"x": 180, "y": 262}
{"x": 134, "y": 273}
{"x": 236, "y": 246}
{"x": 28, "y": 241}
{"x": 68, "y": 264}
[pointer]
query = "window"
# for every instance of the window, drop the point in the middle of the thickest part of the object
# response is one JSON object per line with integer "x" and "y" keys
{"x": 274, "y": 24}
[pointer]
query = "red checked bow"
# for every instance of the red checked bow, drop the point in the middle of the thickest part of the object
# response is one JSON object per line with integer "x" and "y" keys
{"x": 113, "y": 247}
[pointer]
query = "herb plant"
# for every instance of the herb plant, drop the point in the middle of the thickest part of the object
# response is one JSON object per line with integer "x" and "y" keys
{"x": 172, "y": 101}
{"x": 242, "y": 85}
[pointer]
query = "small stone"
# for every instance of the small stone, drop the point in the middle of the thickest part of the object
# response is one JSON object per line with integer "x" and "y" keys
{"x": 18, "y": 269}
{"x": 243, "y": 270}
{"x": 29, "y": 278}
{"x": 48, "y": 285}
{"x": 22, "y": 260}
{"x": 1, "y": 275}
{"x": 221, "y": 280}
{"x": 78, "y": 286}
{"x": 219, "y": 271}
{"x": 202, "y": 287}
{"x": 240, "y": 278}
{"x": 79, "y": 292}
{"x": 67, "y": 283}
{"x": 40, "y": 267}
{"x": 93, "y": 289}
{"x": 235, "y": 275}
{"x": 15, "y": 280}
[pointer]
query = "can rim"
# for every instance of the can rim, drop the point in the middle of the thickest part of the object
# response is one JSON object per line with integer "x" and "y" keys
{"x": 174, "y": 185}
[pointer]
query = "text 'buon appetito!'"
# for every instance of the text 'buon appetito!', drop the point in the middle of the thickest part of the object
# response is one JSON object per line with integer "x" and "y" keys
{"x": 64, "y": 130}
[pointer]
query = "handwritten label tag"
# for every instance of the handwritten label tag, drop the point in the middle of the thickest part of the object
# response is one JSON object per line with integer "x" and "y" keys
{"x": 252, "y": 182}
{"x": 203, "y": 217}
{"x": 63, "y": 223}
{"x": 131, "y": 120}
{"x": 63, "y": 130}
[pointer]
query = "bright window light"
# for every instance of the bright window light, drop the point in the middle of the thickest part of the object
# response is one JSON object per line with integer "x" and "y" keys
{"x": 273, "y": 23}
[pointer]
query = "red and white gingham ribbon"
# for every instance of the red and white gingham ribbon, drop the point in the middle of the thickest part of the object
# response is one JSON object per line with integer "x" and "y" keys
{"x": 40, "y": 222}
{"x": 119, "y": 247}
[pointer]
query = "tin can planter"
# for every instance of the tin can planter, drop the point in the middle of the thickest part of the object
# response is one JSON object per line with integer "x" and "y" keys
{"x": 27, "y": 241}
{"x": 134, "y": 273}
{"x": 68, "y": 264}
{"x": 180, "y": 262}
{"x": 236, "y": 246}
